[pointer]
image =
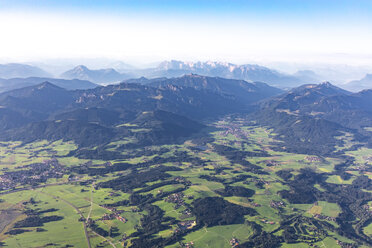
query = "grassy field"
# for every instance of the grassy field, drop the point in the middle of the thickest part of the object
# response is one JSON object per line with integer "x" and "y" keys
{"x": 325, "y": 208}
{"x": 218, "y": 236}
{"x": 89, "y": 200}
{"x": 67, "y": 231}
{"x": 368, "y": 230}
{"x": 338, "y": 180}
{"x": 363, "y": 156}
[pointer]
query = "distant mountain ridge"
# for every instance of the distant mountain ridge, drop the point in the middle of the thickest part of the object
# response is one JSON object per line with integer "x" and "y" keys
{"x": 246, "y": 72}
{"x": 358, "y": 85}
{"x": 15, "y": 70}
{"x": 175, "y": 68}
{"x": 97, "y": 76}
{"x": 16, "y": 83}
{"x": 241, "y": 90}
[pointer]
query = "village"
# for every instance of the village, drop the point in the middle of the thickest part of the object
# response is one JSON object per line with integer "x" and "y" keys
{"x": 115, "y": 214}
{"x": 32, "y": 174}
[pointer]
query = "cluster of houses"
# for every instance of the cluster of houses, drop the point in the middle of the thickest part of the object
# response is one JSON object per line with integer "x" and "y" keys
{"x": 267, "y": 222}
{"x": 255, "y": 204}
{"x": 233, "y": 129}
{"x": 32, "y": 174}
{"x": 184, "y": 225}
{"x": 272, "y": 163}
{"x": 236, "y": 132}
{"x": 187, "y": 212}
{"x": 313, "y": 245}
{"x": 277, "y": 204}
{"x": 234, "y": 242}
{"x": 345, "y": 245}
{"x": 187, "y": 245}
{"x": 361, "y": 168}
{"x": 182, "y": 180}
{"x": 313, "y": 159}
{"x": 177, "y": 199}
{"x": 367, "y": 208}
{"x": 115, "y": 214}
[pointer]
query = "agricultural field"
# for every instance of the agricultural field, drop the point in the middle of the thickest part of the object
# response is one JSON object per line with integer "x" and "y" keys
{"x": 234, "y": 188}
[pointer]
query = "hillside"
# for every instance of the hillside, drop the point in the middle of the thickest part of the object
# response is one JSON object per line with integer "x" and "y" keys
{"x": 325, "y": 109}
{"x": 38, "y": 101}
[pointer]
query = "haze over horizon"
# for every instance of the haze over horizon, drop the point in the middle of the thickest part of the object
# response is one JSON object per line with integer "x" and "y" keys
{"x": 144, "y": 32}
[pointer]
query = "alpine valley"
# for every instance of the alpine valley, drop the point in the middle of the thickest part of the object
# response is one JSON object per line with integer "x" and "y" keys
{"x": 192, "y": 155}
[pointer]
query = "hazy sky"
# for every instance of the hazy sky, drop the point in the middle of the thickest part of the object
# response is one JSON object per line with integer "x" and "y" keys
{"x": 232, "y": 30}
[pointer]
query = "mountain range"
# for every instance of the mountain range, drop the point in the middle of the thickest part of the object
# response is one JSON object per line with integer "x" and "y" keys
{"x": 246, "y": 72}
{"x": 100, "y": 115}
{"x": 309, "y": 118}
{"x": 118, "y": 71}
{"x": 170, "y": 69}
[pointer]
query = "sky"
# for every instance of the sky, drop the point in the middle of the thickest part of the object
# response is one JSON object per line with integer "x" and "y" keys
{"x": 144, "y": 31}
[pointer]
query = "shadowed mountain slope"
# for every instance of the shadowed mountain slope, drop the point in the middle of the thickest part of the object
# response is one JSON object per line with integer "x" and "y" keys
{"x": 309, "y": 117}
